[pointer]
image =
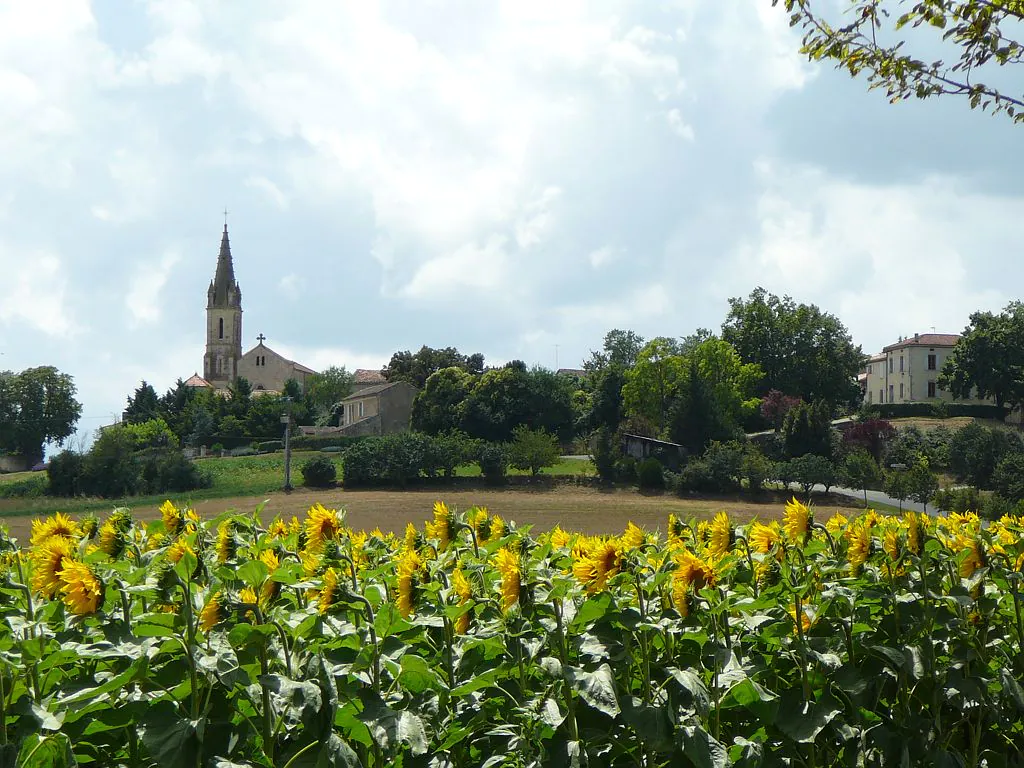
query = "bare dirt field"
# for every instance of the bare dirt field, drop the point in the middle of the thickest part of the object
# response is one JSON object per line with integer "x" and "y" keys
{"x": 579, "y": 509}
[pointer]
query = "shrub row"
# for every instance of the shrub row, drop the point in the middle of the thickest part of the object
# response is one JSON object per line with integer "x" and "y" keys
{"x": 29, "y": 488}
{"x": 116, "y": 475}
{"x": 939, "y": 409}
{"x": 402, "y": 458}
{"x": 321, "y": 442}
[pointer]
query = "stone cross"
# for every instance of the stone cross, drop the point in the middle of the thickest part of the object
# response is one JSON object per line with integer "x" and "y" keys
{"x": 261, "y": 338}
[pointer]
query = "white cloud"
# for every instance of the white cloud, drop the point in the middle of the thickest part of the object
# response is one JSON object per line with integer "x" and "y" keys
{"x": 537, "y": 218}
{"x": 679, "y": 127}
{"x": 603, "y": 256}
{"x": 321, "y": 358}
{"x": 33, "y": 292}
{"x": 270, "y": 189}
{"x": 144, "y": 296}
{"x": 291, "y": 286}
{"x": 471, "y": 267}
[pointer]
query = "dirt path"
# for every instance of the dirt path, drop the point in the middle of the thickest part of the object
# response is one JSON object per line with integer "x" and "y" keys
{"x": 582, "y": 509}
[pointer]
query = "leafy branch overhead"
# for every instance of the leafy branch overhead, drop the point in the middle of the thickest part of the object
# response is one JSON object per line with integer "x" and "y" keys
{"x": 924, "y": 49}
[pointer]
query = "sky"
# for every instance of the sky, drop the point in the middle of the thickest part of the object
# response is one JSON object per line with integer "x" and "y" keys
{"x": 513, "y": 177}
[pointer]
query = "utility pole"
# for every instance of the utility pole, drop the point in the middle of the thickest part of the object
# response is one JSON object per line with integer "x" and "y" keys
{"x": 287, "y": 421}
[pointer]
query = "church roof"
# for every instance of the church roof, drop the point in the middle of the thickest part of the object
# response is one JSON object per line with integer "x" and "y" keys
{"x": 224, "y": 280}
{"x": 195, "y": 380}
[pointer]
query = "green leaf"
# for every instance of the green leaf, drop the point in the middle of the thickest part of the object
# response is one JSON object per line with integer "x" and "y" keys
{"x": 249, "y": 635}
{"x": 650, "y": 723}
{"x": 752, "y": 697}
{"x": 802, "y": 722}
{"x": 550, "y": 714}
{"x": 136, "y": 671}
{"x": 695, "y": 693}
{"x": 172, "y": 741}
{"x": 1012, "y": 688}
{"x": 390, "y": 728}
{"x": 252, "y": 572}
{"x": 417, "y": 675}
{"x": 593, "y": 608}
{"x": 701, "y": 748}
{"x": 597, "y": 688}
{"x": 52, "y": 751}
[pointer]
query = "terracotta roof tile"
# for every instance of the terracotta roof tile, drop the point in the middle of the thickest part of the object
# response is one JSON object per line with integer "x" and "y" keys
{"x": 926, "y": 340}
{"x": 367, "y": 376}
{"x": 195, "y": 380}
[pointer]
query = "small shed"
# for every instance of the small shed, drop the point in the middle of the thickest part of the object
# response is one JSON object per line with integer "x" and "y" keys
{"x": 641, "y": 447}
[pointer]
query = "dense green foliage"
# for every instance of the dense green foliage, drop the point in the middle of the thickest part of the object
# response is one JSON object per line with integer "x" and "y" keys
{"x": 988, "y": 359}
{"x": 37, "y": 406}
{"x": 532, "y": 449}
{"x": 472, "y": 642}
{"x": 319, "y": 472}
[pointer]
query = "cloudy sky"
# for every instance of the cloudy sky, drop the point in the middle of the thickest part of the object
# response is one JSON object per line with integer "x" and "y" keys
{"x": 511, "y": 177}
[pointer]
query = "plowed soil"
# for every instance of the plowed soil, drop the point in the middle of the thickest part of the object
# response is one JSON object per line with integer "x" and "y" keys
{"x": 579, "y": 509}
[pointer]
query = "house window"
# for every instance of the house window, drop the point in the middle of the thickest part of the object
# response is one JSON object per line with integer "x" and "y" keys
{"x": 901, "y": 385}
{"x": 890, "y": 365}
{"x": 361, "y": 409}
{"x": 869, "y": 370}
{"x": 869, "y": 395}
{"x": 881, "y": 395}
{"x": 220, "y": 327}
{"x": 891, "y": 388}
{"x": 901, "y": 366}
{"x": 931, "y": 362}
{"x": 931, "y": 389}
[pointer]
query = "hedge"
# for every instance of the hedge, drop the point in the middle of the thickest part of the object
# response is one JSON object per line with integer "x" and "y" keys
{"x": 940, "y": 409}
{"x": 319, "y": 442}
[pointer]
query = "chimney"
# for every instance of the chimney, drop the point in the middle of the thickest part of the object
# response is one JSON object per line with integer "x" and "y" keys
{"x": 917, "y": 337}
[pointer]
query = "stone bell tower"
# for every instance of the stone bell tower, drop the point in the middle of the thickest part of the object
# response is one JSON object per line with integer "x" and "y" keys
{"x": 223, "y": 321}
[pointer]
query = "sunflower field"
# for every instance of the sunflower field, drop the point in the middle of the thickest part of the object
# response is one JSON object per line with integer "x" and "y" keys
{"x": 470, "y": 641}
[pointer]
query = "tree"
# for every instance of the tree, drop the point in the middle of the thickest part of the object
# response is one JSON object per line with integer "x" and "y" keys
{"x": 240, "y": 391}
{"x": 697, "y": 417}
{"x": 1008, "y": 478}
{"x": 801, "y": 350}
{"x": 775, "y": 405}
{"x": 808, "y": 429}
{"x": 921, "y": 483}
{"x": 871, "y": 435}
{"x": 326, "y": 389}
{"x": 810, "y": 470}
{"x": 867, "y": 40}
{"x": 651, "y": 383}
{"x": 989, "y": 358}
{"x": 37, "y": 406}
{"x": 621, "y": 349}
{"x": 532, "y": 449}
{"x": 417, "y": 368}
{"x": 860, "y": 470}
{"x": 143, "y": 405}
{"x": 504, "y": 398}
{"x": 897, "y": 486}
{"x": 976, "y": 451}
{"x": 438, "y": 407}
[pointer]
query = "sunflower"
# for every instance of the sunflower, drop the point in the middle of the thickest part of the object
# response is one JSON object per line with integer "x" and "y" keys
{"x": 836, "y": 524}
{"x": 278, "y": 529}
{"x": 178, "y": 549}
{"x": 411, "y": 536}
{"x": 211, "y": 614}
{"x": 559, "y": 538}
{"x": 465, "y": 592}
{"x": 721, "y": 537}
{"x": 58, "y": 525}
{"x": 858, "y": 536}
{"x": 891, "y": 542}
{"x": 322, "y": 525}
{"x": 112, "y": 539}
{"x": 48, "y": 560}
{"x": 155, "y": 541}
{"x": 695, "y": 571}
{"x": 248, "y": 596}
{"x": 90, "y": 526}
{"x": 328, "y": 592}
{"x": 507, "y": 563}
{"x": 806, "y": 619}
{"x": 81, "y": 589}
{"x": 974, "y": 560}
{"x": 497, "y": 528}
{"x": 479, "y": 520}
{"x": 601, "y": 562}
{"x": 675, "y": 530}
{"x": 796, "y": 521}
{"x": 311, "y": 562}
{"x": 914, "y": 531}
{"x": 227, "y": 546}
{"x": 172, "y": 517}
{"x": 633, "y": 537}
{"x": 357, "y": 546}
{"x": 442, "y": 528}
{"x": 409, "y": 565}
{"x": 681, "y": 594}
{"x": 763, "y": 537}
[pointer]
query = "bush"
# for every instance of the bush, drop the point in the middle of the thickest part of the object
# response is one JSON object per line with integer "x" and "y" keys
{"x": 696, "y": 476}
{"x": 269, "y": 446}
{"x": 928, "y": 410}
{"x": 243, "y": 451}
{"x": 625, "y": 469}
{"x": 493, "y": 461}
{"x": 170, "y": 471}
{"x": 389, "y": 460}
{"x": 755, "y": 469}
{"x": 605, "y": 452}
{"x": 650, "y": 475}
{"x": 965, "y": 499}
{"x": 445, "y": 453}
{"x": 1008, "y": 477}
{"x": 725, "y": 465}
{"x": 319, "y": 442}
{"x": 65, "y": 474}
{"x": 217, "y": 448}
{"x": 810, "y": 470}
{"x": 975, "y": 451}
{"x": 319, "y": 472}
{"x": 29, "y": 488}
{"x": 532, "y": 449}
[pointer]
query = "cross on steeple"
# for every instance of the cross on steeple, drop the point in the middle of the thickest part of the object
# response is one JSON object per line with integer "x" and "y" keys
{"x": 225, "y": 217}
{"x": 261, "y": 338}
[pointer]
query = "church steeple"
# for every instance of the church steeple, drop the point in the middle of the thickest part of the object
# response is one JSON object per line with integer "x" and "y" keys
{"x": 224, "y": 290}
{"x": 223, "y": 320}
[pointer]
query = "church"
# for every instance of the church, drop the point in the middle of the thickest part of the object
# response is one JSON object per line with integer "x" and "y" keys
{"x": 266, "y": 370}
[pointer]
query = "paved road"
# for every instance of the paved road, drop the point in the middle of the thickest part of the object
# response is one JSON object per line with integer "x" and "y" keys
{"x": 873, "y": 496}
